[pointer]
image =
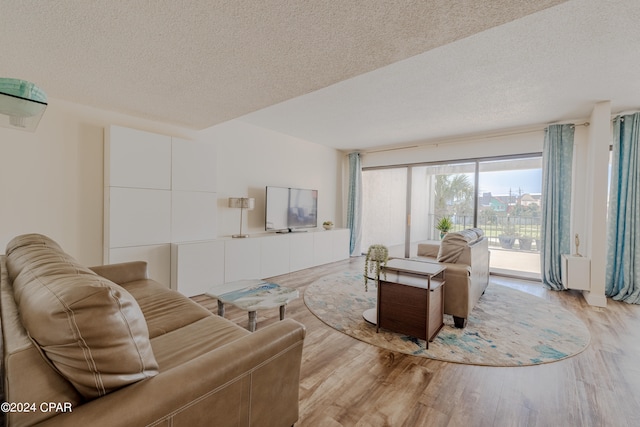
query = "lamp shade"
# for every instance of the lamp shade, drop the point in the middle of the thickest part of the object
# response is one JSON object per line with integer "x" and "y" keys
{"x": 22, "y": 104}
{"x": 242, "y": 202}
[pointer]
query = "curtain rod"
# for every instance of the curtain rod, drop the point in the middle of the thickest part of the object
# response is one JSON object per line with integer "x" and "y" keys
{"x": 461, "y": 140}
{"x": 622, "y": 114}
{"x": 585, "y": 124}
{"x": 449, "y": 141}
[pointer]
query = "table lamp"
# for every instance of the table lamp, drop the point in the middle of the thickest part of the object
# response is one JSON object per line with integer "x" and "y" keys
{"x": 242, "y": 203}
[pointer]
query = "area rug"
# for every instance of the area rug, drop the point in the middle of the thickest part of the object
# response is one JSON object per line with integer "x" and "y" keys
{"x": 506, "y": 328}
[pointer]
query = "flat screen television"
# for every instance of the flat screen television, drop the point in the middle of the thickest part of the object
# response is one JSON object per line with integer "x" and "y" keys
{"x": 290, "y": 209}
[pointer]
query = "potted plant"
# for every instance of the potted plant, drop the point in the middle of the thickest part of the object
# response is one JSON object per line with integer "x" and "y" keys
{"x": 377, "y": 256}
{"x": 525, "y": 242}
{"x": 444, "y": 225}
{"x": 508, "y": 236}
{"x": 328, "y": 225}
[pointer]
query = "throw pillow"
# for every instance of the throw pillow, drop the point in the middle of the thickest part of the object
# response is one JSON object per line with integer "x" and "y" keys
{"x": 90, "y": 329}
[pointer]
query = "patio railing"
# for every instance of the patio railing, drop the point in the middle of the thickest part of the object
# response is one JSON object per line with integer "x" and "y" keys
{"x": 505, "y": 231}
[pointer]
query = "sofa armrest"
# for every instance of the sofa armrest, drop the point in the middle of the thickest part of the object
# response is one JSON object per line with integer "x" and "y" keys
{"x": 124, "y": 272}
{"x": 429, "y": 249}
{"x": 252, "y": 381}
{"x": 457, "y": 289}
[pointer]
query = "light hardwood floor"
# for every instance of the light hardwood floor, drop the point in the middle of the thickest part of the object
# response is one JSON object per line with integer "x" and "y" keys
{"x": 345, "y": 382}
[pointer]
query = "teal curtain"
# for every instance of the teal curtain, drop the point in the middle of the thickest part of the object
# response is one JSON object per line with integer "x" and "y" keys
{"x": 557, "y": 159}
{"x": 623, "y": 236}
{"x": 354, "y": 204}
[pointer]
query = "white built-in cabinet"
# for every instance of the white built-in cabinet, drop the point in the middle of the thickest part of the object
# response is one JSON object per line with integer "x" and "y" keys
{"x": 261, "y": 256}
{"x": 158, "y": 190}
{"x": 161, "y": 207}
{"x": 197, "y": 265}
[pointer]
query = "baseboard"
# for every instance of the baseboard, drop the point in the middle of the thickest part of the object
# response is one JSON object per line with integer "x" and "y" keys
{"x": 595, "y": 299}
{"x": 515, "y": 274}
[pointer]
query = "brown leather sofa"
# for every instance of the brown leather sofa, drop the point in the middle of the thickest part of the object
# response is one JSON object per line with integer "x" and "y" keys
{"x": 466, "y": 256}
{"x": 110, "y": 347}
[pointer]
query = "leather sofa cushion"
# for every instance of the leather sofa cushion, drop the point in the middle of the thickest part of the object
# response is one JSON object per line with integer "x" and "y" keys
{"x": 454, "y": 243}
{"x": 429, "y": 248}
{"x": 191, "y": 341}
{"x": 164, "y": 309}
{"x": 90, "y": 329}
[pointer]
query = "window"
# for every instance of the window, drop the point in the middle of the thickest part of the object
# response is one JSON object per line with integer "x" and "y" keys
{"x": 500, "y": 195}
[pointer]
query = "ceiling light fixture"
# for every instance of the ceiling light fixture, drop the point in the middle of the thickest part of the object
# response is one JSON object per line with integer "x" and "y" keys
{"x": 22, "y": 104}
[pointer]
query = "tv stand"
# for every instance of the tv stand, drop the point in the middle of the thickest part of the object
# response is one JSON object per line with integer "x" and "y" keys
{"x": 196, "y": 266}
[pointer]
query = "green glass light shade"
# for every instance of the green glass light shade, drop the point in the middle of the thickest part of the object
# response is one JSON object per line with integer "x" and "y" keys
{"x": 22, "y": 104}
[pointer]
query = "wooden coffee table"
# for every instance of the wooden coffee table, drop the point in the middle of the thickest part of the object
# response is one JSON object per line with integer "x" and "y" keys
{"x": 252, "y": 295}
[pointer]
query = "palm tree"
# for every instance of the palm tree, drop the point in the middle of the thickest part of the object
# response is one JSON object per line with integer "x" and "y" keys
{"x": 454, "y": 195}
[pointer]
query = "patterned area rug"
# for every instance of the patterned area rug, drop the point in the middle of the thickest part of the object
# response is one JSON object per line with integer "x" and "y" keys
{"x": 506, "y": 328}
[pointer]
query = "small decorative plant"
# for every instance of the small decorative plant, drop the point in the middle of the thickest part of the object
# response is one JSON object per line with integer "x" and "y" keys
{"x": 328, "y": 225}
{"x": 377, "y": 256}
{"x": 444, "y": 225}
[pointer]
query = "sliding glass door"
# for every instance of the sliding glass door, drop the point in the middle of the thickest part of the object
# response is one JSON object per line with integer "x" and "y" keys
{"x": 402, "y": 206}
{"x": 440, "y": 191}
{"x": 385, "y": 209}
{"x": 509, "y": 198}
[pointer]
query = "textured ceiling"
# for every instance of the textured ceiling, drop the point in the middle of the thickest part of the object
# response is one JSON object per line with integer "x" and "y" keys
{"x": 551, "y": 66}
{"x": 198, "y": 63}
{"x": 348, "y": 74}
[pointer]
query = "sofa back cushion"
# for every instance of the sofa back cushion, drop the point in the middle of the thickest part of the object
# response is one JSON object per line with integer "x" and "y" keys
{"x": 20, "y": 355}
{"x": 90, "y": 329}
{"x": 455, "y": 243}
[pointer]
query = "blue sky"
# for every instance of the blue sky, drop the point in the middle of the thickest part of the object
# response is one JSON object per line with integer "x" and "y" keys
{"x": 500, "y": 182}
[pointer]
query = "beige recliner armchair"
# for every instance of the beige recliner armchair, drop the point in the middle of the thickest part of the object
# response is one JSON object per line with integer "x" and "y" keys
{"x": 466, "y": 255}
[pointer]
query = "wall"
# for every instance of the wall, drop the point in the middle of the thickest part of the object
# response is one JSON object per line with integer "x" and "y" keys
{"x": 251, "y": 158}
{"x": 596, "y": 181}
{"x": 517, "y": 142}
{"x": 580, "y": 190}
{"x": 51, "y": 181}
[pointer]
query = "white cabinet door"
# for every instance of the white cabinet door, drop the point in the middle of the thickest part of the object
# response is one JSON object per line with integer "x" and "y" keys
{"x": 137, "y": 159}
{"x": 193, "y": 216}
{"x": 341, "y": 240}
{"x": 322, "y": 247}
{"x": 158, "y": 258}
{"x": 301, "y": 251}
{"x": 138, "y": 216}
{"x": 274, "y": 259}
{"x": 242, "y": 259}
{"x": 196, "y": 266}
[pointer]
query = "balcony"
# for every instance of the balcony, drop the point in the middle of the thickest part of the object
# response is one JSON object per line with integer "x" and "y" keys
{"x": 525, "y": 264}
{"x": 513, "y": 242}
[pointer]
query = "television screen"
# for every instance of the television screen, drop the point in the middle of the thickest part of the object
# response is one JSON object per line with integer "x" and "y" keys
{"x": 277, "y": 206}
{"x": 290, "y": 208}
